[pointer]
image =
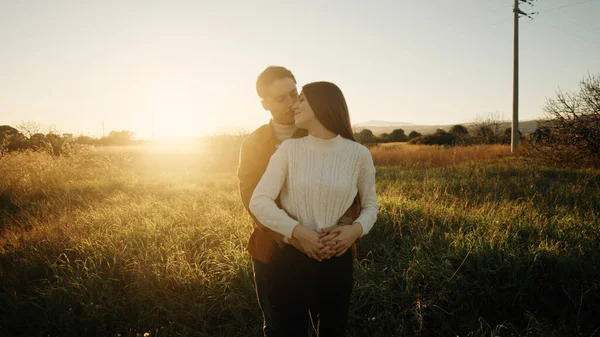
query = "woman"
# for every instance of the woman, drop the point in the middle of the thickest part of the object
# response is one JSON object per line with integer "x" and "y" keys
{"x": 317, "y": 178}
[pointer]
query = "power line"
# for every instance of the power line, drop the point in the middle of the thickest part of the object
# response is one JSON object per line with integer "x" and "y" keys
{"x": 584, "y": 27}
{"x": 582, "y": 39}
{"x": 448, "y": 29}
{"x": 565, "y": 6}
{"x": 576, "y": 23}
{"x": 497, "y": 9}
{"x": 470, "y": 30}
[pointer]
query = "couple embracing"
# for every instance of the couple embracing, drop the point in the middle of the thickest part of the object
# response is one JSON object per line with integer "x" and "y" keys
{"x": 310, "y": 189}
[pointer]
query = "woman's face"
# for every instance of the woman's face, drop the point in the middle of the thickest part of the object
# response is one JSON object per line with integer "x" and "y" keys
{"x": 304, "y": 116}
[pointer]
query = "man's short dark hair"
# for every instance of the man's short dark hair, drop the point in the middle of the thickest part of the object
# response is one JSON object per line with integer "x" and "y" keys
{"x": 270, "y": 75}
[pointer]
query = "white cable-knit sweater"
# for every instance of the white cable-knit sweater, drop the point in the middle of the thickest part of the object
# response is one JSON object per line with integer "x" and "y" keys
{"x": 318, "y": 180}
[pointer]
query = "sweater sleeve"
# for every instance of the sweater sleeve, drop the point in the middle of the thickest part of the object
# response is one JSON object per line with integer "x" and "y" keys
{"x": 263, "y": 205}
{"x": 366, "y": 191}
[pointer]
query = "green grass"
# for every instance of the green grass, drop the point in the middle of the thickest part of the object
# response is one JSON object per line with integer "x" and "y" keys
{"x": 125, "y": 241}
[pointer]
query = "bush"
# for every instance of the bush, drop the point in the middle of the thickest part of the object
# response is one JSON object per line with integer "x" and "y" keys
{"x": 12, "y": 140}
{"x": 440, "y": 137}
{"x": 507, "y": 136}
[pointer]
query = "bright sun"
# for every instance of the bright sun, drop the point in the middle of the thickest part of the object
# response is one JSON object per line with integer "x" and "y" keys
{"x": 180, "y": 110}
{"x": 182, "y": 124}
{"x": 182, "y": 115}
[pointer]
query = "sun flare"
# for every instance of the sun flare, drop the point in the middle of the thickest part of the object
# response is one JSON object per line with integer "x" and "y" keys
{"x": 183, "y": 125}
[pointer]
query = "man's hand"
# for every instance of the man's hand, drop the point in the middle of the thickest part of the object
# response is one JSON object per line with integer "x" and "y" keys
{"x": 340, "y": 238}
{"x": 309, "y": 241}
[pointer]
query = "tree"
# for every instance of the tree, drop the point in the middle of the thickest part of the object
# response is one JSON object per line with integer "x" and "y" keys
{"x": 7, "y": 130}
{"x": 413, "y": 134}
{"x": 11, "y": 139}
{"x": 439, "y": 137}
{"x": 397, "y": 135}
{"x": 571, "y": 134}
{"x": 84, "y": 140}
{"x": 485, "y": 133}
{"x": 365, "y": 136}
{"x": 507, "y": 135}
{"x": 37, "y": 140}
{"x": 460, "y": 134}
{"x": 486, "y": 130}
{"x": 123, "y": 137}
{"x": 459, "y": 130}
{"x": 29, "y": 128}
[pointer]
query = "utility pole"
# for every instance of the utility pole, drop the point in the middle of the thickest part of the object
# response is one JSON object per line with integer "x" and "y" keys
{"x": 102, "y": 129}
{"x": 514, "y": 142}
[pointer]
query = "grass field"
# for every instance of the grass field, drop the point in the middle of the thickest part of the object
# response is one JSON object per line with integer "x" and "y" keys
{"x": 144, "y": 241}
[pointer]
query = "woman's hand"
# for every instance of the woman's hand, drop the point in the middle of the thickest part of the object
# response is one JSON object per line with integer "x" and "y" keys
{"x": 309, "y": 240}
{"x": 338, "y": 239}
{"x": 328, "y": 240}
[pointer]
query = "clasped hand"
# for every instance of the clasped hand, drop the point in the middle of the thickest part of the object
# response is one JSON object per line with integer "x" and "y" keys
{"x": 326, "y": 243}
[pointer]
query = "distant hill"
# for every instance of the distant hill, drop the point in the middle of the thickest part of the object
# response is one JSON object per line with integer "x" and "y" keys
{"x": 382, "y": 124}
{"x": 379, "y": 127}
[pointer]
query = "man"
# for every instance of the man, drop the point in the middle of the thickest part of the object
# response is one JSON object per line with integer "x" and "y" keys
{"x": 276, "y": 86}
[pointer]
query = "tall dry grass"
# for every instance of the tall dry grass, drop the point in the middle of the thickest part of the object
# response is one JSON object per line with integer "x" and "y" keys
{"x": 131, "y": 241}
{"x": 425, "y": 156}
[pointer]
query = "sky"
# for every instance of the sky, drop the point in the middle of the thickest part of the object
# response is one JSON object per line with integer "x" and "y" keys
{"x": 82, "y": 67}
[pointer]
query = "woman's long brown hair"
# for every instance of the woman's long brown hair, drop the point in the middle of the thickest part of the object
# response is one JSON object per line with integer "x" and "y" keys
{"x": 329, "y": 105}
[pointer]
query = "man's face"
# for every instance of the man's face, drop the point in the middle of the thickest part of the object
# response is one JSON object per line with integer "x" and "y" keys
{"x": 280, "y": 96}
